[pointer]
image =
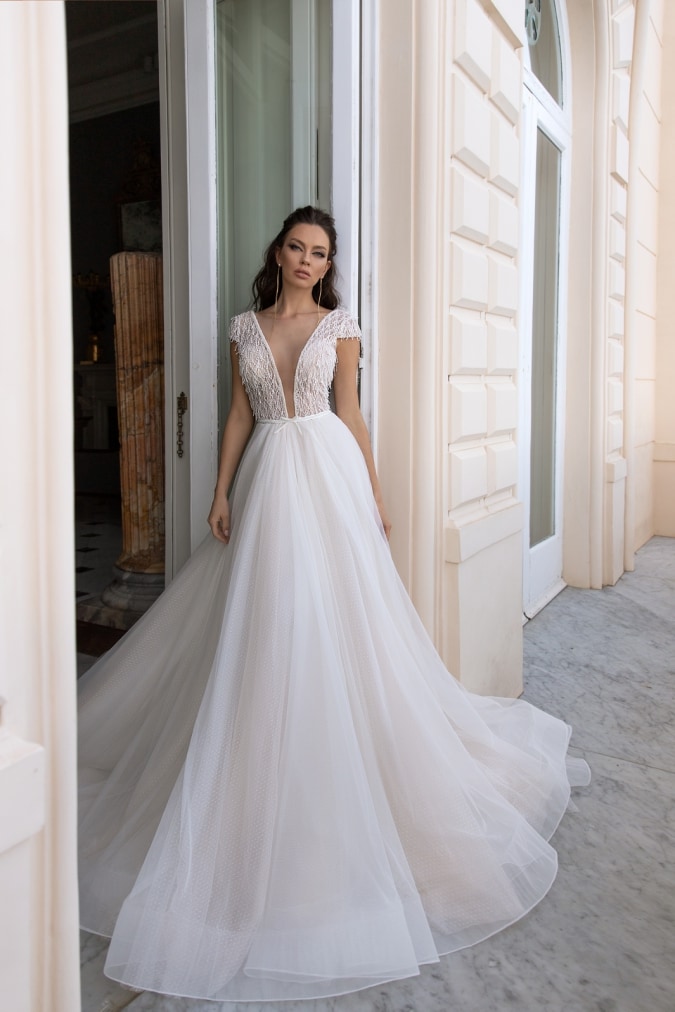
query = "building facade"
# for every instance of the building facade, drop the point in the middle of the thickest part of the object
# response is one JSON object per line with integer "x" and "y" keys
{"x": 499, "y": 174}
{"x": 526, "y": 276}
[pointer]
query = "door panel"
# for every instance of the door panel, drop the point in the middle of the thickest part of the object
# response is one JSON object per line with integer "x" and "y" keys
{"x": 543, "y": 278}
{"x": 174, "y": 231}
{"x": 267, "y": 85}
{"x": 273, "y": 122}
{"x": 544, "y": 377}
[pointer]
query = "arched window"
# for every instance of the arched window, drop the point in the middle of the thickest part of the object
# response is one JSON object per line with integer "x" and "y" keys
{"x": 543, "y": 51}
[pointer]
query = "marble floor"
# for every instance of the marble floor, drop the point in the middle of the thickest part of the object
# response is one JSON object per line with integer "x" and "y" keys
{"x": 98, "y": 542}
{"x": 603, "y": 940}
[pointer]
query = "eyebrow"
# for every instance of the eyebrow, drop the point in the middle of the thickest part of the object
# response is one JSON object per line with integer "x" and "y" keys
{"x": 292, "y": 238}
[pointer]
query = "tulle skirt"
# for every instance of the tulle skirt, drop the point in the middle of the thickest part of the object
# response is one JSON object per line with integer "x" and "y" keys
{"x": 284, "y": 794}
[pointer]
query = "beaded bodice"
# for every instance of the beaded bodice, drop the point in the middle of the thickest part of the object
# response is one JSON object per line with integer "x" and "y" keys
{"x": 313, "y": 373}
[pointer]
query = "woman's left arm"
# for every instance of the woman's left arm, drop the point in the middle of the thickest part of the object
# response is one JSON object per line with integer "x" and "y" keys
{"x": 348, "y": 410}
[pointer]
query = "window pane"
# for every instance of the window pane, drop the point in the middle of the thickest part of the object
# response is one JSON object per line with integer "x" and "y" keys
{"x": 273, "y": 135}
{"x": 544, "y": 45}
{"x": 544, "y": 341}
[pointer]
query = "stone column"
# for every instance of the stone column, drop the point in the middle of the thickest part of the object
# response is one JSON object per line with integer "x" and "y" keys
{"x": 136, "y": 282}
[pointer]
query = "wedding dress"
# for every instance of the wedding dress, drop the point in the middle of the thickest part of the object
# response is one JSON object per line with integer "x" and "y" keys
{"x": 284, "y": 794}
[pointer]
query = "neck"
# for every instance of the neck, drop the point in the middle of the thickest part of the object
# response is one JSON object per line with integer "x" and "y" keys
{"x": 295, "y": 303}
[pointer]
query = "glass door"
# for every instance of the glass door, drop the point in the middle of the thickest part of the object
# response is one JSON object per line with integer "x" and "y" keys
{"x": 273, "y": 112}
{"x": 271, "y": 121}
{"x": 544, "y": 378}
{"x": 545, "y": 224}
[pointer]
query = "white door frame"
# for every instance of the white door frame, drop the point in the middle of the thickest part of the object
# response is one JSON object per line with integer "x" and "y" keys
{"x": 543, "y": 564}
{"x": 171, "y": 45}
{"x": 368, "y": 226}
{"x": 201, "y": 420}
{"x": 202, "y": 231}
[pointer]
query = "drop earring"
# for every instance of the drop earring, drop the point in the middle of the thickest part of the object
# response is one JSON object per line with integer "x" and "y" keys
{"x": 276, "y": 294}
{"x": 318, "y": 305}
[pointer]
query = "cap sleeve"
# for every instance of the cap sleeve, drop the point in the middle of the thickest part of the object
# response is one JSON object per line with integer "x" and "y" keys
{"x": 347, "y": 328}
{"x": 234, "y": 332}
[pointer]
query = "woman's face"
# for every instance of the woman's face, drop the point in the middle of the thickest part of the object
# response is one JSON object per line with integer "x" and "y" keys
{"x": 304, "y": 256}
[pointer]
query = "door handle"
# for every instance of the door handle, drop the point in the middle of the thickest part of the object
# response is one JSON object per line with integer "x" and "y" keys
{"x": 181, "y": 408}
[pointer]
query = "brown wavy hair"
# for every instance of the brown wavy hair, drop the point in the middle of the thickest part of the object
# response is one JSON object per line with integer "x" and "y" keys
{"x": 265, "y": 282}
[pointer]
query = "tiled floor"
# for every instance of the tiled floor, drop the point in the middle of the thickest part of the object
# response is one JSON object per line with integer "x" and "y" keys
{"x": 603, "y": 940}
{"x": 98, "y": 543}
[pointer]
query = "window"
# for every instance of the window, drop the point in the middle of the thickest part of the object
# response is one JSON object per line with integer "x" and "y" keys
{"x": 543, "y": 36}
{"x": 273, "y": 74}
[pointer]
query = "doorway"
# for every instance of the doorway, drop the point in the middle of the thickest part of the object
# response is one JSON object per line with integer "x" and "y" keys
{"x": 546, "y": 141}
{"x": 115, "y": 195}
{"x": 273, "y": 117}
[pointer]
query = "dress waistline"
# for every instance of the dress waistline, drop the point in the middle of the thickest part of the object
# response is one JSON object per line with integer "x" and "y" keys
{"x": 295, "y": 418}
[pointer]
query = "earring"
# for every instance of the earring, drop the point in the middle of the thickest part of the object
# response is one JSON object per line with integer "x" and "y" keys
{"x": 318, "y": 305}
{"x": 276, "y": 294}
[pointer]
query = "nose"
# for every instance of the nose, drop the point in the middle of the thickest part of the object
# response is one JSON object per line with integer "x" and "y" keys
{"x": 304, "y": 258}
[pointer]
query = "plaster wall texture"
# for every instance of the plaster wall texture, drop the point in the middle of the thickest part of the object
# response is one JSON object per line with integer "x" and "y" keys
{"x": 481, "y": 583}
{"x": 647, "y": 265}
{"x": 664, "y": 336}
{"x": 617, "y": 471}
{"x": 456, "y": 407}
{"x": 38, "y": 916}
{"x": 621, "y": 35}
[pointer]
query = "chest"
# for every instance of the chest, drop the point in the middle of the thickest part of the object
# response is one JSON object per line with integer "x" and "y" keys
{"x": 287, "y": 377}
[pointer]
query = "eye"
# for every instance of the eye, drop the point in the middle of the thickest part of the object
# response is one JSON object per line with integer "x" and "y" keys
{"x": 294, "y": 246}
{"x": 320, "y": 253}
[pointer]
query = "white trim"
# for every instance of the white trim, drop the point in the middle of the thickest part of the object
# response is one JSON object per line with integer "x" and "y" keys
{"x": 429, "y": 229}
{"x": 346, "y": 127}
{"x": 303, "y": 157}
{"x": 175, "y": 252}
{"x": 543, "y": 564}
{"x": 369, "y": 215}
{"x": 202, "y": 218}
{"x": 533, "y": 609}
{"x": 532, "y": 82}
{"x": 38, "y": 876}
{"x": 599, "y": 173}
{"x": 634, "y": 280}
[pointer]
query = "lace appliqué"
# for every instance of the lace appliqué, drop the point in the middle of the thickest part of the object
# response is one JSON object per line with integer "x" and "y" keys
{"x": 314, "y": 373}
{"x": 256, "y": 368}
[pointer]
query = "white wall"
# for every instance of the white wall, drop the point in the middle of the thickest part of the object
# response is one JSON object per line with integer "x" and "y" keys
{"x": 482, "y": 585}
{"x": 449, "y": 109}
{"x": 449, "y": 167}
{"x": 39, "y": 956}
{"x": 664, "y": 447}
{"x": 643, "y": 238}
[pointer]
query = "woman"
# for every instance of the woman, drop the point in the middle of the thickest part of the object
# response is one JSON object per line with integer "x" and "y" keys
{"x": 284, "y": 792}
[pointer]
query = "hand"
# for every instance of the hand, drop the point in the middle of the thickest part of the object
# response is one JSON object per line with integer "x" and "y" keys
{"x": 386, "y": 522}
{"x": 219, "y": 518}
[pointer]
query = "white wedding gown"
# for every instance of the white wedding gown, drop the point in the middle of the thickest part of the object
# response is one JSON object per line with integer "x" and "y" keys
{"x": 284, "y": 794}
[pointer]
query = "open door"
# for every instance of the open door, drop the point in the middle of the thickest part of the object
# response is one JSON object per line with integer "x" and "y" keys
{"x": 265, "y": 100}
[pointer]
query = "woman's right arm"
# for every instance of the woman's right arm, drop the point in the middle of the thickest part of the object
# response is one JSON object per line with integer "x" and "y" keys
{"x": 237, "y": 430}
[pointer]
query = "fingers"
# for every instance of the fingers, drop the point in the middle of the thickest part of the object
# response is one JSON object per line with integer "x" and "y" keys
{"x": 220, "y": 529}
{"x": 385, "y": 522}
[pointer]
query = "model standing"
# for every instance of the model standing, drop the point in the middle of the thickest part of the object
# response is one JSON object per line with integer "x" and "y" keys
{"x": 284, "y": 792}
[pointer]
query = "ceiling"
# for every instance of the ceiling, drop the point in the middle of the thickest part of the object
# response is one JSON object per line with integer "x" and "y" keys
{"x": 112, "y": 55}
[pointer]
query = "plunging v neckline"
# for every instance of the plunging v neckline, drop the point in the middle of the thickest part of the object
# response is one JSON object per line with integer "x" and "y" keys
{"x": 297, "y": 364}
